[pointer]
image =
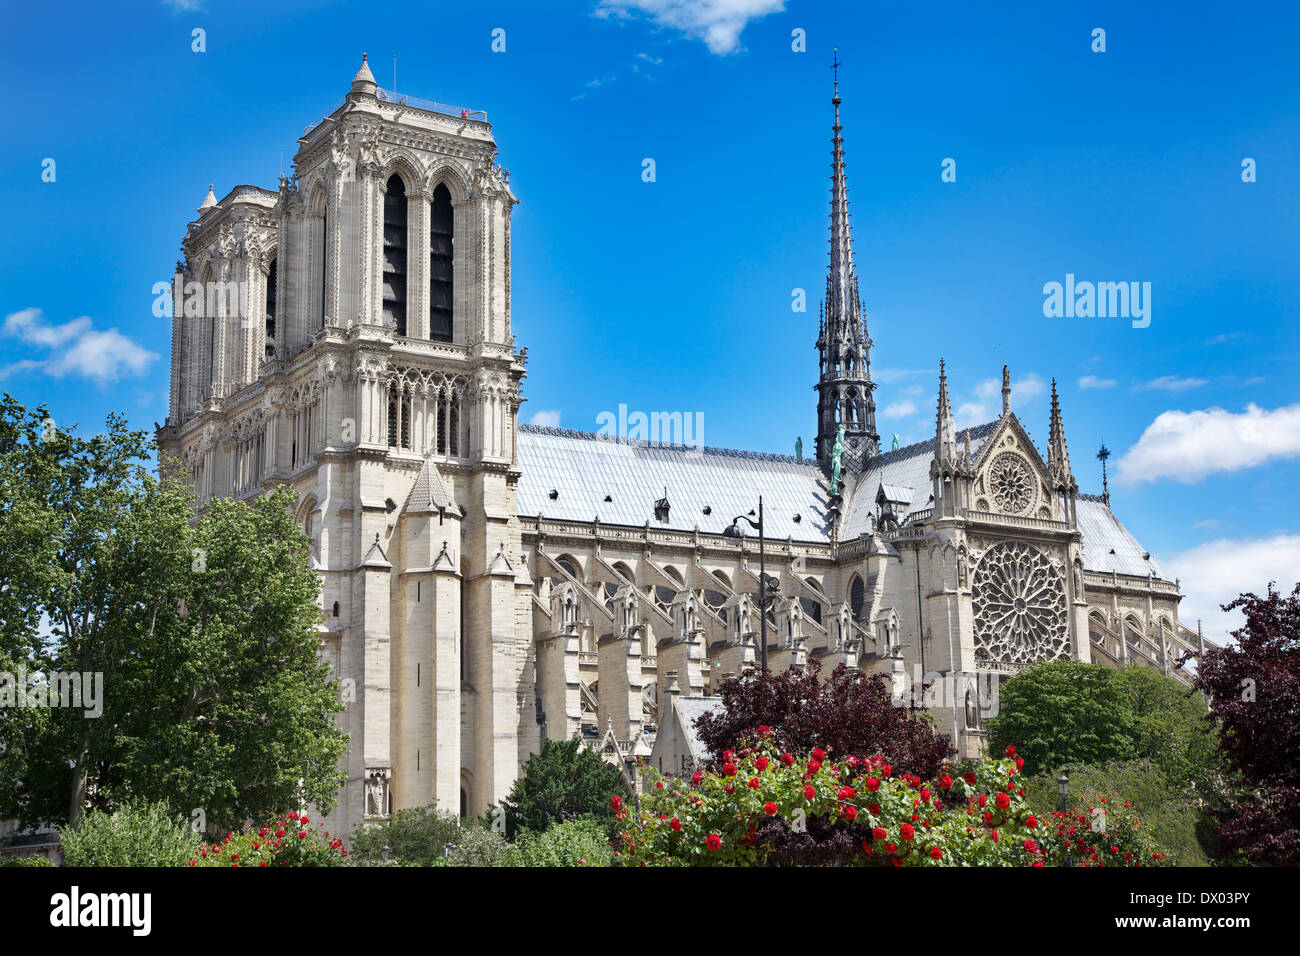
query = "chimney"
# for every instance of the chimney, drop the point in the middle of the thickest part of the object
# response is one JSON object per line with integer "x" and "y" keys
{"x": 671, "y": 687}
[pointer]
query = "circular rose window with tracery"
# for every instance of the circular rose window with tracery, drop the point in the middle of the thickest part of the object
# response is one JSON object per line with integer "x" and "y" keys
{"x": 1011, "y": 483}
{"x": 1020, "y": 613}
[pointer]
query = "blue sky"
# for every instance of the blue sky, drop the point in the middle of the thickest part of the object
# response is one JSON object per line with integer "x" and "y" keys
{"x": 675, "y": 295}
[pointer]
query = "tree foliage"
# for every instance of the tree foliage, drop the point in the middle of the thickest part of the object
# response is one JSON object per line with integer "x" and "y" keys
{"x": 203, "y": 632}
{"x": 850, "y": 713}
{"x": 1254, "y": 686}
{"x": 139, "y": 833}
{"x": 563, "y": 781}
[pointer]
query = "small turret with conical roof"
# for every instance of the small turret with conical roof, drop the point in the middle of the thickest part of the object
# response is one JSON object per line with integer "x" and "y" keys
{"x": 364, "y": 81}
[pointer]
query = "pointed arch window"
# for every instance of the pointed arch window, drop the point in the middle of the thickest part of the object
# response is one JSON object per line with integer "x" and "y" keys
{"x": 399, "y": 416}
{"x": 324, "y": 277}
{"x": 395, "y": 254}
{"x": 440, "y": 265}
{"x": 270, "y": 309}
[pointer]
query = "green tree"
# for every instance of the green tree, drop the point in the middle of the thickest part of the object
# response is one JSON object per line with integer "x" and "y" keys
{"x": 203, "y": 635}
{"x": 414, "y": 836}
{"x": 1062, "y": 712}
{"x": 563, "y": 781}
{"x": 572, "y": 843}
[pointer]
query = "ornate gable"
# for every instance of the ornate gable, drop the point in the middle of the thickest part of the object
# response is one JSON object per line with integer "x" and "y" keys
{"x": 1011, "y": 477}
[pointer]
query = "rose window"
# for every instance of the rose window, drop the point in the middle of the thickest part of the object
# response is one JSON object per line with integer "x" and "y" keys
{"x": 1020, "y": 609}
{"x": 1011, "y": 483}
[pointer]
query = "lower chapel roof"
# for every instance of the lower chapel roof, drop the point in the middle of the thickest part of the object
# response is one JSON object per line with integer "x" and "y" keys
{"x": 581, "y": 476}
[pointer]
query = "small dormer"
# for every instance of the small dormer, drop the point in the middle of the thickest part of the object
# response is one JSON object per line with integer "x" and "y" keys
{"x": 685, "y": 612}
{"x": 661, "y": 508}
{"x": 740, "y": 616}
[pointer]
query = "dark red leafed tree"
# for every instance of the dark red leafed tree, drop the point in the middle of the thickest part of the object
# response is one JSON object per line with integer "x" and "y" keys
{"x": 1254, "y": 689}
{"x": 848, "y": 714}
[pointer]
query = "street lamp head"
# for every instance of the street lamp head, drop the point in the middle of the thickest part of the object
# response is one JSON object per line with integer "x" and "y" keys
{"x": 731, "y": 531}
{"x": 1063, "y": 784}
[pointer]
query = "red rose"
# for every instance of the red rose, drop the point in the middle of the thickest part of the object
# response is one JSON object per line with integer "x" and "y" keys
{"x": 787, "y": 759}
{"x": 813, "y": 766}
{"x": 697, "y": 777}
{"x": 617, "y": 802}
{"x": 1003, "y": 801}
{"x": 879, "y": 833}
{"x": 760, "y": 764}
{"x": 925, "y": 795}
{"x": 818, "y": 754}
{"x": 936, "y": 853}
{"x": 874, "y": 808}
{"x": 983, "y": 799}
{"x": 713, "y": 841}
{"x": 906, "y": 831}
{"x": 969, "y": 777}
{"x": 946, "y": 782}
{"x": 886, "y": 770}
{"x": 753, "y": 783}
{"x": 873, "y": 784}
{"x": 809, "y": 792}
{"x": 280, "y": 832}
{"x": 1011, "y": 751}
{"x": 675, "y": 824}
{"x": 846, "y": 793}
{"x": 1031, "y": 822}
{"x": 891, "y": 848}
{"x": 850, "y": 813}
{"x": 729, "y": 770}
{"x": 769, "y": 808}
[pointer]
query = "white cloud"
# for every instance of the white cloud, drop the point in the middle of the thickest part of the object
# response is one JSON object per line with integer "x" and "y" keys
{"x": 547, "y": 417}
{"x": 183, "y": 6}
{"x": 718, "y": 23}
{"x": 1187, "y": 446}
{"x": 986, "y": 404}
{"x": 1172, "y": 383}
{"x": 75, "y": 348}
{"x": 900, "y": 409}
{"x": 1214, "y": 573}
{"x": 1092, "y": 381}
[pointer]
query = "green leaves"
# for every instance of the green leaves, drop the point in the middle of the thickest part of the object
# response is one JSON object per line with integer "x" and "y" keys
{"x": 216, "y": 698}
{"x": 564, "y": 780}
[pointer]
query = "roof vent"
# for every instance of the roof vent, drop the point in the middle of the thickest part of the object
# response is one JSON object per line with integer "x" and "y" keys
{"x": 608, "y": 499}
{"x": 708, "y": 510}
{"x": 554, "y": 494}
{"x": 798, "y": 518}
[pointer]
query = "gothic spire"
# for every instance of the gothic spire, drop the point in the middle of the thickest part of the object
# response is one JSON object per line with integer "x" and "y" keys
{"x": 1058, "y": 455}
{"x": 945, "y": 432}
{"x": 845, "y": 391}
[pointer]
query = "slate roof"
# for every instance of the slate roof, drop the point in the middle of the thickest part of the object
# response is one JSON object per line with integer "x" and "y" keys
{"x": 582, "y": 468}
{"x": 1107, "y": 544}
{"x": 691, "y": 709}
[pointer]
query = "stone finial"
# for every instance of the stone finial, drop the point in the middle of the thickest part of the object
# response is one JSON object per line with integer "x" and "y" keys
{"x": 1006, "y": 390}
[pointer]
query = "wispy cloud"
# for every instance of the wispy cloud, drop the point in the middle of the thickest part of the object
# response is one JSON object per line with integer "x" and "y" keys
{"x": 1187, "y": 446}
{"x": 1171, "y": 383}
{"x": 900, "y": 409}
{"x": 1214, "y": 573}
{"x": 986, "y": 404}
{"x": 592, "y": 85}
{"x": 183, "y": 6}
{"x": 1092, "y": 381}
{"x": 548, "y": 417}
{"x": 76, "y": 348}
{"x": 718, "y": 23}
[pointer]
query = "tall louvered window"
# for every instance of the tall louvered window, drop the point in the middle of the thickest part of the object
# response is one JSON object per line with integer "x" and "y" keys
{"x": 324, "y": 231}
{"x": 440, "y": 263}
{"x": 453, "y": 426}
{"x": 270, "y": 310}
{"x": 395, "y": 255}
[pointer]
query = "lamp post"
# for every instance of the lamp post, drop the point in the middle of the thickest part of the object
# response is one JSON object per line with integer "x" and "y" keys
{"x": 1063, "y": 788}
{"x": 733, "y": 531}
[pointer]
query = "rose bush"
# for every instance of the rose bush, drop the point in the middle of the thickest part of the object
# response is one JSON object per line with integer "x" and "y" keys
{"x": 1109, "y": 833}
{"x": 292, "y": 840}
{"x": 733, "y": 816}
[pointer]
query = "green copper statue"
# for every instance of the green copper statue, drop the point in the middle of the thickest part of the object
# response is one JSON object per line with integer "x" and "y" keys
{"x": 895, "y": 445}
{"x": 798, "y": 447}
{"x": 837, "y": 452}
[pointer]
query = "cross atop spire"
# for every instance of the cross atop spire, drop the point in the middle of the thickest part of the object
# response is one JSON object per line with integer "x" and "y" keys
{"x": 845, "y": 390}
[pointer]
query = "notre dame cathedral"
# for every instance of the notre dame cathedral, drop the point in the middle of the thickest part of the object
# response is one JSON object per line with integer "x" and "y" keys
{"x": 486, "y": 585}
